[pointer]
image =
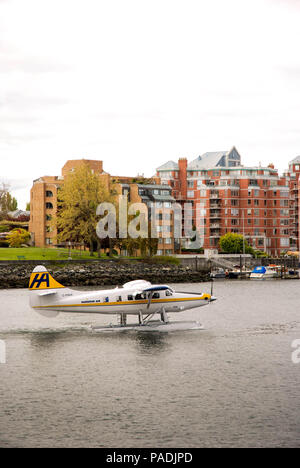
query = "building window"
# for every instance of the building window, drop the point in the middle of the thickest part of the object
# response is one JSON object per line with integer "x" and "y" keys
{"x": 284, "y": 203}
{"x": 48, "y": 241}
{"x": 190, "y": 194}
{"x": 49, "y": 193}
{"x": 285, "y": 242}
{"x": 49, "y": 206}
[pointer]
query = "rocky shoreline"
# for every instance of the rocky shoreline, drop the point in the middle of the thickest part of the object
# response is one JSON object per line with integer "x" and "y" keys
{"x": 16, "y": 275}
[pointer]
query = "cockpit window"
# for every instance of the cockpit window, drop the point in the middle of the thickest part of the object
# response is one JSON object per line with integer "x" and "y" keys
{"x": 169, "y": 293}
{"x": 139, "y": 297}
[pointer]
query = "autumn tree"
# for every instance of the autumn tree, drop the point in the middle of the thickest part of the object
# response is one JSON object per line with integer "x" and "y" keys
{"x": 78, "y": 199}
{"x": 17, "y": 237}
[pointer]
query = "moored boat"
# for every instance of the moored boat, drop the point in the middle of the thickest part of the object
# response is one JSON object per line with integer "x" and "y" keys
{"x": 263, "y": 273}
{"x": 218, "y": 273}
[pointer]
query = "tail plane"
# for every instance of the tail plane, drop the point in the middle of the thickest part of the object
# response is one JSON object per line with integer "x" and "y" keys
{"x": 41, "y": 280}
{"x": 43, "y": 287}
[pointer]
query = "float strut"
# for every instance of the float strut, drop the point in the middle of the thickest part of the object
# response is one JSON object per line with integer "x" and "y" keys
{"x": 164, "y": 317}
{"x": 141, "y": 320}
{"x": 123, "y": 319}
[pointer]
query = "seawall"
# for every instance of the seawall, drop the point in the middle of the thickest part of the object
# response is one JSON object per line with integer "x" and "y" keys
{"x": 100, "y": 273}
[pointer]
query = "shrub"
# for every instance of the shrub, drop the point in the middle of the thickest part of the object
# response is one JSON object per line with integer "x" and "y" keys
{"x": 17, "y": 237}
{"x": 162, "y": 260}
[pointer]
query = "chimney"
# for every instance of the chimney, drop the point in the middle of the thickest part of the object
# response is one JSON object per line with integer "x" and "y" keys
{"x": 182, "y": 164}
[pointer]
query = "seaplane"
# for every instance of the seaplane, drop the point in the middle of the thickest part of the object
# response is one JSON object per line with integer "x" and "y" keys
{"x": 138, "y": 298}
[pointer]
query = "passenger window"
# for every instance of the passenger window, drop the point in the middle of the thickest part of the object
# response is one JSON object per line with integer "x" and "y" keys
{"x": 130, "y": 298}
{"x": 119, "y": 299}
{"x": 156, "y": 295}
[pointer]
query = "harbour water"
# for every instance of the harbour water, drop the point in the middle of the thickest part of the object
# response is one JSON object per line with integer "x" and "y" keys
{"x": 232, "y": 384}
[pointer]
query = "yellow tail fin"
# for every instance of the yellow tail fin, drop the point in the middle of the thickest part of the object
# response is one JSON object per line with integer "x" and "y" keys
{"x": 41, "y": 279}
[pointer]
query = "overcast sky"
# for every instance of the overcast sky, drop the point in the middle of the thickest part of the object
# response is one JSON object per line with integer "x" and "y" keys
{"x": 136, "y": 83}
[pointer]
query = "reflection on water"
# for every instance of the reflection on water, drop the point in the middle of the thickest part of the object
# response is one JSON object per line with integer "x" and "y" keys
{"x": 154, "y": 342}
{"x": 231, "y": 384}
{"x": 47, "y": 339}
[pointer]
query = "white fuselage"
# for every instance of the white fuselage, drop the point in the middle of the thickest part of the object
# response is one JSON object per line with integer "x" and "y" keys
{"x": 119, "y": 301}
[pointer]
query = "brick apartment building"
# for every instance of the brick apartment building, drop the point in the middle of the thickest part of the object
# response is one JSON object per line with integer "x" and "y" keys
{"x": 293, "y": 178}
{"x": 254, "y": 201}
{"x": 44, "y": 194}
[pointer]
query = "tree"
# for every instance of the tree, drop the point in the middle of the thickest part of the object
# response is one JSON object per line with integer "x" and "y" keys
{"x": 28, "y": 206}
{"x": 78, "y": 199}
{"x": 235, "y": 244}
{"x": 7, "y": 202}
{"x": 18, "y": 237}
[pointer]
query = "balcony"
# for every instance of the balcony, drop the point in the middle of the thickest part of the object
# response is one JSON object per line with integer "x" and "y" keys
{"x": 215, "y": 226}
{"x": 215, "y": 205}
{"x": 214, "y": 196}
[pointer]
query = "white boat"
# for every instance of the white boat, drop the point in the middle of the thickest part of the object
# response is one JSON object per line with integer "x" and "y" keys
{"x": 237, "y": 272}
{"x": 218, "y": 273}
{"x": 263, "y": 273}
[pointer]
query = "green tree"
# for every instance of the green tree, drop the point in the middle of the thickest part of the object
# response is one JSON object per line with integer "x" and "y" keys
{"x": 235, "y": 244}
{"x": 28, "y": 206}
{"x": 78, "y": 199}
{"x": 18, "y": 237}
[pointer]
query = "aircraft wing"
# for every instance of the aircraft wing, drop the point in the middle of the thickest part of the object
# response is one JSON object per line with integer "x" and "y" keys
{"x": 156, "y": 288}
